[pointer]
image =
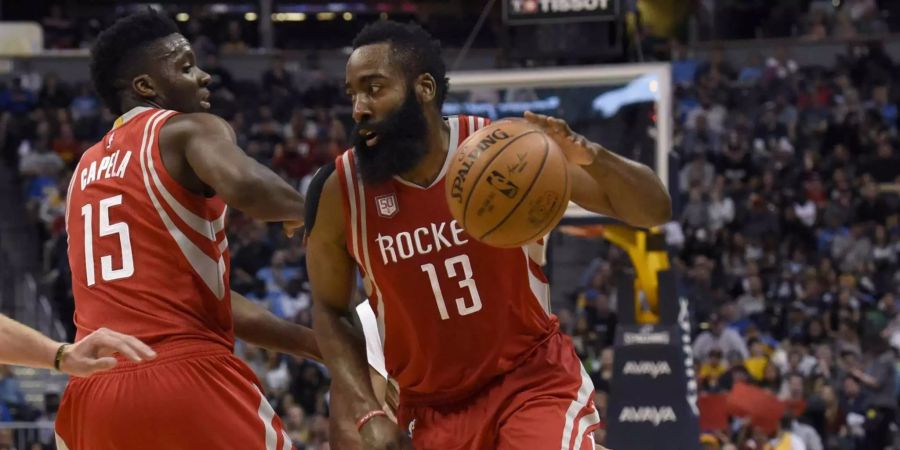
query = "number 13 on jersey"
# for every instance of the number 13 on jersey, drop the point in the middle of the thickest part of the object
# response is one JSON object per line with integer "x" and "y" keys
{"x": 463, "y": 306}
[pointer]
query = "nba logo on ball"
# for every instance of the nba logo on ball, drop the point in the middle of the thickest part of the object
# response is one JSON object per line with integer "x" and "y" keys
{"x": 387, "y": 205}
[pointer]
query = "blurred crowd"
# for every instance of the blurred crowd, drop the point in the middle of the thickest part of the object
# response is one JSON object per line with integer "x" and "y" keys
{"x": 806, "y": 19}
{"x": 788, "y": 239}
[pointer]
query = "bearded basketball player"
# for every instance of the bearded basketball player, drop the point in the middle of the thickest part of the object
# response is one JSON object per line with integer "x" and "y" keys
{"x": 467, "y": 334}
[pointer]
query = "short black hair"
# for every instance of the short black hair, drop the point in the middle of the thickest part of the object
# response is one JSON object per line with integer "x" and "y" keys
{"x": 417, "y": 52}
{"x": 115, "y": 49}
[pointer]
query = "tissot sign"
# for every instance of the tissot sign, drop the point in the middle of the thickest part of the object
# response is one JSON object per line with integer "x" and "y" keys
{"x": 517, "y": 12}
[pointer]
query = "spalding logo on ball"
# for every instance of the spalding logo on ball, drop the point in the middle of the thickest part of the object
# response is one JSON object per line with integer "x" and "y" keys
{"x": 508, "y": 184}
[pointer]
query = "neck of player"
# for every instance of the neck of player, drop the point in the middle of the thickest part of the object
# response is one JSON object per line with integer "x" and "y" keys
{"x": 437, "y": 140}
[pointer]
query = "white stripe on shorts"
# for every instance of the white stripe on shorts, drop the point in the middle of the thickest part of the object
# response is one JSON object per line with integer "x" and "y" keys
{"x": 60, "y": 443}
{"x": 584, "y": 394}
{"x": 267, "y": 414}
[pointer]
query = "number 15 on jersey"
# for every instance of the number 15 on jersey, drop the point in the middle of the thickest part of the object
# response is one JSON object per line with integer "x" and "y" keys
{"x": 107, "y": 272}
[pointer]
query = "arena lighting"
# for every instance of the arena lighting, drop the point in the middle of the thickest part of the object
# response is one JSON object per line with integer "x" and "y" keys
{"x": 325, "y": 16}
{"x": 219, "y": 8}
{"x": 288, "y": 17}
{"x": 182, "y": 17}
{"x": 348, "y": 16}
{"x": 250, "y": 16}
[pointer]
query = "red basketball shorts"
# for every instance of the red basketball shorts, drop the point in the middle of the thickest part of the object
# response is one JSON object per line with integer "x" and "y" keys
{"x": 192, "y": 396}
{"x": 544, "y": 404}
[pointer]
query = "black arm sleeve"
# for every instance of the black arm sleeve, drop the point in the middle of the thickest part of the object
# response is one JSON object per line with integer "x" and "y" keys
{"x": 313, "y": 193}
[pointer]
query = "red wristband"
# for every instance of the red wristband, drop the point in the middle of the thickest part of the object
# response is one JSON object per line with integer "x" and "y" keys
{"x": 369, "y": 416}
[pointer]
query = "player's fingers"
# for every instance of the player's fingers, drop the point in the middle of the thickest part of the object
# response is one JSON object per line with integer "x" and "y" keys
{"x": 141, "y": 349}
{"x": 559, "y": 125}
{"x": 538, "y": 119}
{"x": 101, "y": 364}
{"x": 113, "y": 344}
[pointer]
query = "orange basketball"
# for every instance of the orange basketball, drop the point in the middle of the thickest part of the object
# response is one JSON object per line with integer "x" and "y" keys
{"x": 508, "y": 184}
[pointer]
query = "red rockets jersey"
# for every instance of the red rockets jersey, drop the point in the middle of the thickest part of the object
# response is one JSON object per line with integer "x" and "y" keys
{"x": 454, "y": 313}
{"x": 149, "y": 258}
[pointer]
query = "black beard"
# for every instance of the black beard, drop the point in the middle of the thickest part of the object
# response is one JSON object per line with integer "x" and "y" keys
{"x": 400, "y": 146}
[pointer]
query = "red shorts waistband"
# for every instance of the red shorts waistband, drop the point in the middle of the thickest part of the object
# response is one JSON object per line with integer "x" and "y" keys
{"x": 172, "y": 351}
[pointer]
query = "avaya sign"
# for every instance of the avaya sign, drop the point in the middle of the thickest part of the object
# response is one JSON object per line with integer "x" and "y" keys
{"x": 521, "y": 12}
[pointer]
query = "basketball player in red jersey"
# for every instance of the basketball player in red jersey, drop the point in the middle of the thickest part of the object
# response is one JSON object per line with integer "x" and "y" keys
{"x": 479, "y": 360}
{"x": 149, "y": 257}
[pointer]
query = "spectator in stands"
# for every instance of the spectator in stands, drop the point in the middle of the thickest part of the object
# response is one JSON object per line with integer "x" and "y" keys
{"x": 15, "y": 99}
{"x": 52, "y": 93}
{"x": 59, "y": 30}
{"x": 12, "y": 398}
{"x": 720, "y": 337}
{"x": 276, "y": 81}
{"x": 878, "y": 380}
{"x": 234, "y": 41}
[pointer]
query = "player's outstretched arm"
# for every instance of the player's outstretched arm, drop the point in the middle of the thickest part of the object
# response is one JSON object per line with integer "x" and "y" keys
{"x": 23, "y": 346}
{"x": 331, "y": 274}
{"x": 211, "y": 151}
{"x": 256, "y": 325}
{"x": 606, "y": 183}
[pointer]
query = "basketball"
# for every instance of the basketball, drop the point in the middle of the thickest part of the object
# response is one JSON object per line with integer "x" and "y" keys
{"x": 508, "y": 184}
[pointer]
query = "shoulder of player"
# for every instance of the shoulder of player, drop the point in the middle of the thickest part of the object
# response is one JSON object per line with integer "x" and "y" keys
{"x": 181, "y": 128}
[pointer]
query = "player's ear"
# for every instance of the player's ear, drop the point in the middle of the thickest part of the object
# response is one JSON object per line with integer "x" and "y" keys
{"x": 143, "y": 86}
{"x": 426, "y": 87}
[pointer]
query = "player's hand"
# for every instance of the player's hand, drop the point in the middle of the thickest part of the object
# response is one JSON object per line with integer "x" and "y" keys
{"x": 381, "y": 433}
{"x": 576, "y": 147}
{"x": 291, "y": 226}
{"x": 95, "y": 352}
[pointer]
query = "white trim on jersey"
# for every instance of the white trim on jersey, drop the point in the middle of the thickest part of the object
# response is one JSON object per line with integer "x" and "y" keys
{"x": 453, "y": 143}
{"x": 219, "y": 223}
{"x": 582, "y": 402}
{"x": 212, "y": 272}
{"x": 69, "y": 195}
{"x": 200, "y": 225}
{"x": 351, "y": 196}
{"x": 536, "y": 252}
{"x": 374, "y": 350}
{"x": 131, "y": 114}
{"x": 367, "y": 265}
{"x": 356, "y": 196}
{"x": 287, "y": 444}
{"x": 539, "y": 289}
{"x": 472, "y": 124}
